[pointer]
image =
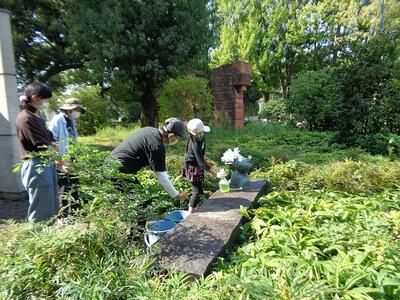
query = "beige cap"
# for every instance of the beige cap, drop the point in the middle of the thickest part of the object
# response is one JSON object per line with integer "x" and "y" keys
{"x": 72, "y": 103}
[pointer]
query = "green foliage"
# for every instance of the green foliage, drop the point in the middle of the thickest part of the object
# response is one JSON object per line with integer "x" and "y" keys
{"x": 141, "y": 42}
{"x": 320, "y": 245}
{"x": 275, "y": 110}
{"x": 41, "y": 41}
{"x": 357, "y": 98}
{"x": 281, "y": 39}
{"x": 328, "y": 229}
{"x": 186, "y": 98}
{"x": 316, "y": 97}
{"x": 350, "y": 176}
{"x": 96, "y": 115}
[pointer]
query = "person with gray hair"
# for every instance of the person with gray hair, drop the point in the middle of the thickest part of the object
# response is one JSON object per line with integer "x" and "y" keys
{"x": 146, "y": 147}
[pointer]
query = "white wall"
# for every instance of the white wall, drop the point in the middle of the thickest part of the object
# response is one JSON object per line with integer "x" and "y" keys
{"x": 10, "y": 183}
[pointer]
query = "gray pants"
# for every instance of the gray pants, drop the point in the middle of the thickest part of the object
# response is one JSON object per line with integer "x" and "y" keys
{"x": 40, "y": 181}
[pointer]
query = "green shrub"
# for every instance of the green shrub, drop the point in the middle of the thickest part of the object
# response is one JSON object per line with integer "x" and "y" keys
{"x": 275, "y": 110}
{"x": 97, "y": 106}
{"x": 388, "y": 144}
{"x": 319, "y": 245}
{"x": 354, "y": 177}
{"x": 315, "y": 97}
{"x": 186, "y": 98}
{"x": 358, "y": 98}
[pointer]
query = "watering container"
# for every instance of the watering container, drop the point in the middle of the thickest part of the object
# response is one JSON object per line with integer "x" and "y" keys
{"x": 176, "y": 215}
{"x": 154, "y": 230}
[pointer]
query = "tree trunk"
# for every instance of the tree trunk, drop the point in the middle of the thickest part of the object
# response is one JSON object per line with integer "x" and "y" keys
{"x": 149, "y": 109}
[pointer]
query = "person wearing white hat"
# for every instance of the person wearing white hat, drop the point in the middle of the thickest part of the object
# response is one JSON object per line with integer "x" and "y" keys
{"x": 195, "y": 161}
{"x": 63, "y": 126}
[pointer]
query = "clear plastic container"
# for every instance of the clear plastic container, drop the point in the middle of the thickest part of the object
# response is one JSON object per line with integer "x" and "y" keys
{"x": 223, "y": 185}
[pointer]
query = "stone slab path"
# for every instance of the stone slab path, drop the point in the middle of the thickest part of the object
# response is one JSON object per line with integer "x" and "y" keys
{"x": 194, "y": 244}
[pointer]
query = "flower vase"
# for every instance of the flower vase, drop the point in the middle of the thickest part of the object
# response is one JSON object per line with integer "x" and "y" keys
{"x": 239, "y": 178}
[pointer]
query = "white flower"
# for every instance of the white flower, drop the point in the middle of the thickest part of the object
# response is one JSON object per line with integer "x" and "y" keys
{"x": 231, "y": 156}
{"x": 228, "y": 157}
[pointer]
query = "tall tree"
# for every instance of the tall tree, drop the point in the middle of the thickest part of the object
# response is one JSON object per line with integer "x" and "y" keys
{"x": 281, "y": 38}
{"x": 142, "y": 42}
{"x": 40, "y": 36}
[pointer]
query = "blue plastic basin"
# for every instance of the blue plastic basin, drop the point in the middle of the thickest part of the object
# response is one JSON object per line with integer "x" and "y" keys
{"x": 154, "y": 230}
{"x": 176, "y": 215}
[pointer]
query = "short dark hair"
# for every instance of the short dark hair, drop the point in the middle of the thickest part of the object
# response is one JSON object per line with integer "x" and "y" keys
{"x": 39, "y": 89}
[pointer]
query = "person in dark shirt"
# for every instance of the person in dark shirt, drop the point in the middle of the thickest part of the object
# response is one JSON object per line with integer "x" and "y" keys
{"x": 195, "y": 161}
{"x": 146, "y": 147}
{"x": 38, "y": 177}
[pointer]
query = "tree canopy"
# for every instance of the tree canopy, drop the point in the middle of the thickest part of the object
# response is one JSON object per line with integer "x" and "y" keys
{"x": 282, "y": 38}
{"x": 140, "y": 42}
{"x": 41, "y": 40}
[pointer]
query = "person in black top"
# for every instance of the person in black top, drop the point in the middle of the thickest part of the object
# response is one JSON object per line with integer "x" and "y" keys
{"x": 196, "y": 161}
{"x": 146, "y": 147}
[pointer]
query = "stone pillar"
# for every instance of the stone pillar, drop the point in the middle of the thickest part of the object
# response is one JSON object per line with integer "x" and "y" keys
{"x": 228, "y": 84}
{"x": 10, "y": 183}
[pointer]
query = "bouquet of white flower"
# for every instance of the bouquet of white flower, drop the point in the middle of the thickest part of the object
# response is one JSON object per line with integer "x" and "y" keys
{"x": 233, "y": 156}
{"x": 240, "y": 164}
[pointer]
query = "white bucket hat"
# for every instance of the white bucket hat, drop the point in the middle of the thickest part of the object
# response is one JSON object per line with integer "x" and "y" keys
{"x": 197, "y": 126}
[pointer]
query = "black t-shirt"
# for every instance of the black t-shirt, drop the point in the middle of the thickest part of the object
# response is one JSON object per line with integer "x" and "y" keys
{"x": 195, "y": 152}
{"x": 142, "y": 148}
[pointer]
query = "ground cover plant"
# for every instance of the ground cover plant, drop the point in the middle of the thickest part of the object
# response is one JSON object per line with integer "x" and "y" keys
{"x": 328, "y": 229}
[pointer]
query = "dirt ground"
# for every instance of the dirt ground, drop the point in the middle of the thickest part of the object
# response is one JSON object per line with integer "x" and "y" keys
{"x": 13, "y": 210}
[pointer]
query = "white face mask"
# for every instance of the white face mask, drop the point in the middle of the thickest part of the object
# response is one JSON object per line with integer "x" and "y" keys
{"x": 173, "y": 142}
{"x": 42, "y": 106}
{"x": 75, "y": 114}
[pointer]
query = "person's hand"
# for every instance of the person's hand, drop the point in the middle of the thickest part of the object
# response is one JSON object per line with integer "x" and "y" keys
{"x": 210, "y": 162}
{"x": 56, "y": 147}
{"x": 59, "y": 164}
{"x": 213, "y": 172}
{"x": 182, "y": 196}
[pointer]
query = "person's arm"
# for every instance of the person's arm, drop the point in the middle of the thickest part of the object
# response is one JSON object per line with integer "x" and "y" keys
{"x": 54, "y": 127}
{"x": 167, "y": 185}
{"x": 38, "y": 134}
{"x": 157, "y": 164}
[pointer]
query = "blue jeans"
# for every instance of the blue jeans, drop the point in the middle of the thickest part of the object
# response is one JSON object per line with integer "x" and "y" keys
{"x": 40, "y": 181}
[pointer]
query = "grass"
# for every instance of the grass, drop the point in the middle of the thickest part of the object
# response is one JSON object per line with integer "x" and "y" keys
{"x": 109, "y": 137}
{"x": 328, "y": 229}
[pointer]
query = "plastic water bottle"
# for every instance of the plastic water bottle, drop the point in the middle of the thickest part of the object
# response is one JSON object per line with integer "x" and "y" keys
{"x": 223, "y": 183}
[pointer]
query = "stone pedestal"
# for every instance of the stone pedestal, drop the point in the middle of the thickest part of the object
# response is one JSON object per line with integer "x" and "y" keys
{"x": 228, "y": 84}
{"x": 10, "y": 183}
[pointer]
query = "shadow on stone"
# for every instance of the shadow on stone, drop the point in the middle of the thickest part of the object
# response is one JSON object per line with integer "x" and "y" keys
{"x": 196, "y": 243}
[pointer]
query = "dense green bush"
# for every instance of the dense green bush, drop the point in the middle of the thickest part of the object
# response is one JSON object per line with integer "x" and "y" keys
{"x": 275, "y": 110}
{"x": 186, "y": 98}
{"x": 97, "y": 107}
{"x": 357, "y": 98}
{"x": 315, "y": 97}
{"x": 319, "y": 245}
{"x": 350, "y": 176}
